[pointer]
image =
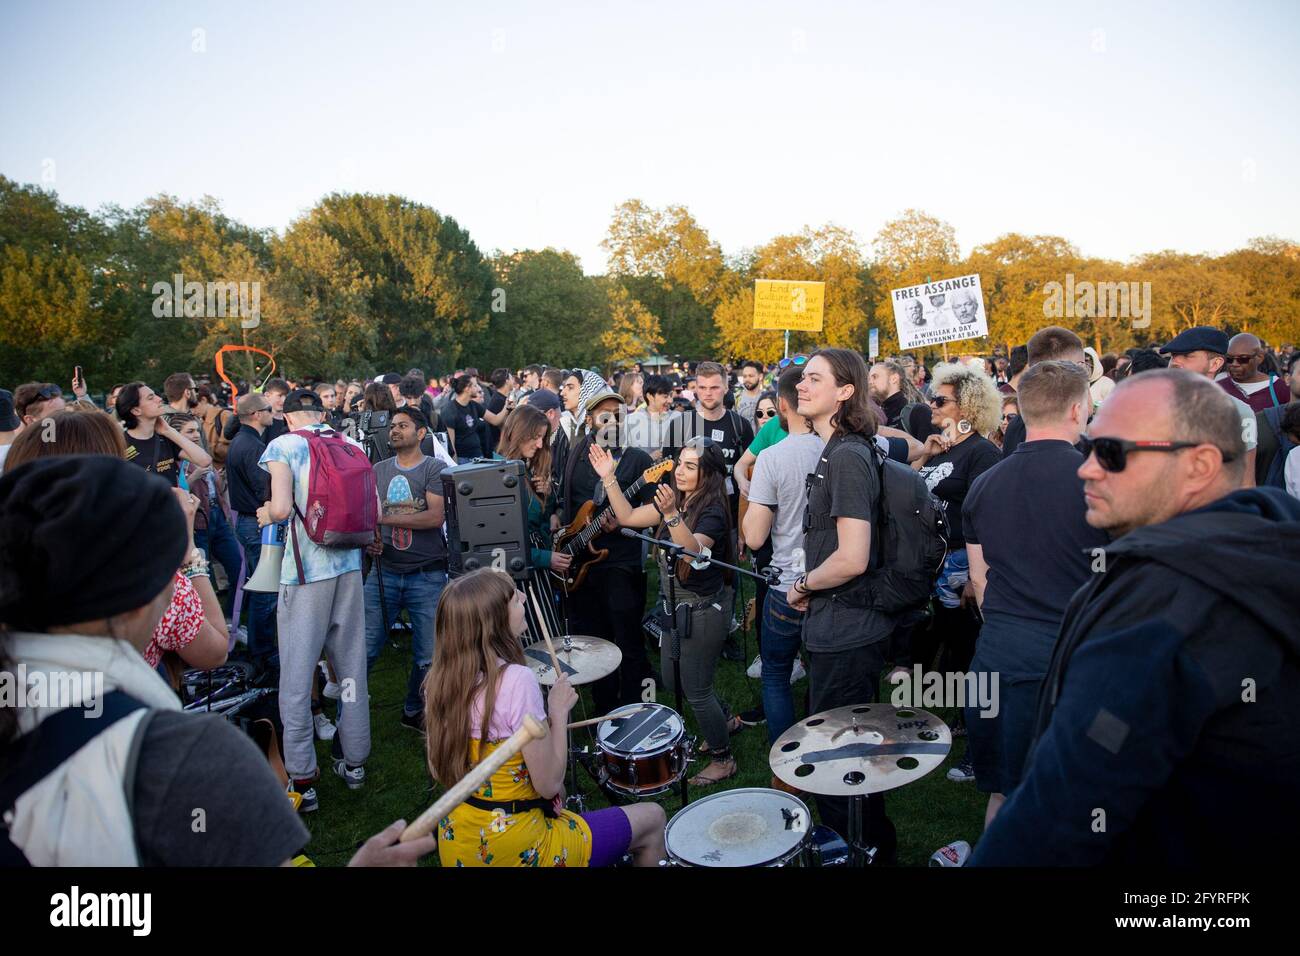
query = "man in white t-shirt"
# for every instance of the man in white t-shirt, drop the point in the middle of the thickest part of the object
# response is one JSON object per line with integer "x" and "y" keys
{"x": 778, "y": 494}
{"x": 325, "y": 613}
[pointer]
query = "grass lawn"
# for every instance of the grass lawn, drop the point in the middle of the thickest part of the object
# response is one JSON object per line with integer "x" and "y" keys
{"x": 927, "y": 813}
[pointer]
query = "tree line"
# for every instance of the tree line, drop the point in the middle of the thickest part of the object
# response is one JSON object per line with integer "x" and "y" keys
{"x": 362, "y": 284}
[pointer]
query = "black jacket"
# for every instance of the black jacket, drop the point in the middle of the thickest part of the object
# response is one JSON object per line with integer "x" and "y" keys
{"x": 1167, "y": 720}
{"x": 249, "y": 484}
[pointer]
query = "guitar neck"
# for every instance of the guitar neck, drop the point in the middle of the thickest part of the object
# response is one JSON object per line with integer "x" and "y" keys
{"x": 593, "y": 526}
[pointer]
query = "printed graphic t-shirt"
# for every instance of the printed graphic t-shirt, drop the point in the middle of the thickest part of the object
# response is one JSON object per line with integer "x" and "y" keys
{"x": 155, "y": 454}
{"x": 402, "y": 491}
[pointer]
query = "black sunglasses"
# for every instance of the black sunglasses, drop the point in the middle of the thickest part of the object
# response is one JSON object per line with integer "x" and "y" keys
{"x": 762, "y": 414}
{"x": 47, "y": 392}
{"x": 1112, "y": 453}
{"x": 938, "y": 401}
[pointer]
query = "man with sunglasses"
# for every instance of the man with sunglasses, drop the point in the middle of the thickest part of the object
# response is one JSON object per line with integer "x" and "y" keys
{"x": 1201, "y": 350}
{"x": 33, "y": 401}
{"x": 1163, "y": 734}
{"x": 180, "y": 389}
{"x": 611, "y": 600}
{"x": 1247, "y": 381}
{"x": 250, "y": 488}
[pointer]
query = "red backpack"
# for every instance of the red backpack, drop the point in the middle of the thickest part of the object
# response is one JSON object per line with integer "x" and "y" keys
{"x": 341, "y": 509}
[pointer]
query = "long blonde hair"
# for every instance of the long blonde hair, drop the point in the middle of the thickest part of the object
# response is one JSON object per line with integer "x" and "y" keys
{"x": 473, "y": 628}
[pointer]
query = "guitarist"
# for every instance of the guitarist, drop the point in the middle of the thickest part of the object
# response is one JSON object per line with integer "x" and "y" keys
{"x": 610, "y": 602}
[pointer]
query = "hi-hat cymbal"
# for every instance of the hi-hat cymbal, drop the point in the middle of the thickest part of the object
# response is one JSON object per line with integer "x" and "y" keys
{"x": 583, "y": 659}
{"x": 868, "y": 748}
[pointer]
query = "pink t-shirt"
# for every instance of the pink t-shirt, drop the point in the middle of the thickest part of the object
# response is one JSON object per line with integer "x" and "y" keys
{"x": 518, "y": 693}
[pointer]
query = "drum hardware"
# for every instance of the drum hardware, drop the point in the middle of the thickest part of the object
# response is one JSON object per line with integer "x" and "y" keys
{"x": 672, "y": 552}
{"x": 857, "y": 751}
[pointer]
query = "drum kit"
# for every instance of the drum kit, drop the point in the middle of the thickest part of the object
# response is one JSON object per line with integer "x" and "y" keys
{"x": 848, "y": 751}
{"x": 644, "y": 751}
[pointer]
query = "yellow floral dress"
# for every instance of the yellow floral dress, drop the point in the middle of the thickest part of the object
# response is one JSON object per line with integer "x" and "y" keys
{"x": 470, "y": 836}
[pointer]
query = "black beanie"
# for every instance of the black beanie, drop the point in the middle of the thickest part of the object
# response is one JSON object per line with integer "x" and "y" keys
{"x": 84, "y": 537}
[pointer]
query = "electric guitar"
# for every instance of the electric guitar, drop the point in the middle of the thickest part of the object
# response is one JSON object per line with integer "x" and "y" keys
{"x": 575, "y": 539}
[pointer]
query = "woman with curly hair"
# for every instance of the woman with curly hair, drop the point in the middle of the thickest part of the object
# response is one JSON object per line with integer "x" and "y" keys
{"x": 965, "y": 406}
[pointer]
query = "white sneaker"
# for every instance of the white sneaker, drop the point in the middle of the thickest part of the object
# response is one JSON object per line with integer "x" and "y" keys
{"x": 325, "y": 730}
{"x": 756, "y": 669}
{"x": 962, "y": 773}
{"x": 955, "y": 853}
{"x": 238, "y": 632}
{"x": 799, "y": 672}
{"x": 355, "y": 779}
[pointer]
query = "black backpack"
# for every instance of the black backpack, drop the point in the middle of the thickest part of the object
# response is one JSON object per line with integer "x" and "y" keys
{"x": 913, "y": 536}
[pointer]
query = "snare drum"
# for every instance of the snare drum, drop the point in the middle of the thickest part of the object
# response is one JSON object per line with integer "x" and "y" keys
{"x": 643, "y": 754}
{"x": 744, "y": 827}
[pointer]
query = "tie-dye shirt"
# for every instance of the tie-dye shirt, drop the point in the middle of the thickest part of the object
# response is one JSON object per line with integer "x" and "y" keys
{"x": 318, "y": 564}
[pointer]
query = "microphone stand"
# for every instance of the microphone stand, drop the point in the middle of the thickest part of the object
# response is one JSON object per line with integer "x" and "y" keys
{"x": 672, "y": 551}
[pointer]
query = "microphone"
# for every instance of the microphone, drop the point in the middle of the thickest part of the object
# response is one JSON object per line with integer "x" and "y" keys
{"x": 628, "y": 532}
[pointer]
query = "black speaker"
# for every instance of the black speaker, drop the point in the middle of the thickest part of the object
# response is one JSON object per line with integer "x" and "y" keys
{"x": 487, "y": 519}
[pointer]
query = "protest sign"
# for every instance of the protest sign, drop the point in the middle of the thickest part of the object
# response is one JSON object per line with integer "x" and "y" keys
{"x": 793, "y": 306}
{"x": 936, "y": 312}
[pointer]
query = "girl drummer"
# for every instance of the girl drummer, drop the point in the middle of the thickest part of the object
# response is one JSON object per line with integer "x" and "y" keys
{"x": 476, "y": 695}
{"x": 696, "y": 516}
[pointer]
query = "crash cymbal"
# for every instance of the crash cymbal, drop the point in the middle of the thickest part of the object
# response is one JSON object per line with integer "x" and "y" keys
{"x": 583, "y": 659}
{"x": 862, "y": 749}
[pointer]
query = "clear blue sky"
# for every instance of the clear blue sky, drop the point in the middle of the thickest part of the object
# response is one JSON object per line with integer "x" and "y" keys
{"x": 1175, "y": 126}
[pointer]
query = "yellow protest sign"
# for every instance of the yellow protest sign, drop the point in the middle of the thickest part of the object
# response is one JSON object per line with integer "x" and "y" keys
{"x": 782, "y": 304}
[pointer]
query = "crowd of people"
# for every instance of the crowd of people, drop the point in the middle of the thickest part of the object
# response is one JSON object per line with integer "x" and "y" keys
{"x": 1120, "y": 552}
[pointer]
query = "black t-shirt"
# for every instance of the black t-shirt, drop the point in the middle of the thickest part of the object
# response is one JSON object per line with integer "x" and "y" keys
{"x": 712, "y": 522}
{"x": 1033, "y": 569}
{"x": 582, "y": 488}
{"x": 189, "y": 761}
{"x": 463, "y": 422}
{"x": 893, "y": 409}
{"x": 731, "y": 432}
{"x": 495, "y": 403}
{"x": 155, "y": 454}
{"x": 845, "y": 485}
{"x": 949, "y": 477}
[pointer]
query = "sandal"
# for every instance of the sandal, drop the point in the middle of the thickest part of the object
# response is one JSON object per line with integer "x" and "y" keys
{"x": 704, "y": 779}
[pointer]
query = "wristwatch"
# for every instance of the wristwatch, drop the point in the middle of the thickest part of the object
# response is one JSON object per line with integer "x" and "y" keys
{"x": 675, "y": 520}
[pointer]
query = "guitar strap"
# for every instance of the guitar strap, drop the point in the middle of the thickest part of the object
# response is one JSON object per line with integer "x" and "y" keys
{"x": 570, "y": 460}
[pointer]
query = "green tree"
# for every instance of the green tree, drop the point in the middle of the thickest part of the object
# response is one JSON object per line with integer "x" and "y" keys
{"x": 633, "y": 331}
{"x": 547, "y": 311}
{"x": 671, "y": 266}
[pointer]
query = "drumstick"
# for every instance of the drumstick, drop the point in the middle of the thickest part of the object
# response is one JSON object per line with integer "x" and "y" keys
{"x": 623, "y": 712}
{"x": 426, "y": 821}
{"x": 541, "y": 625}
